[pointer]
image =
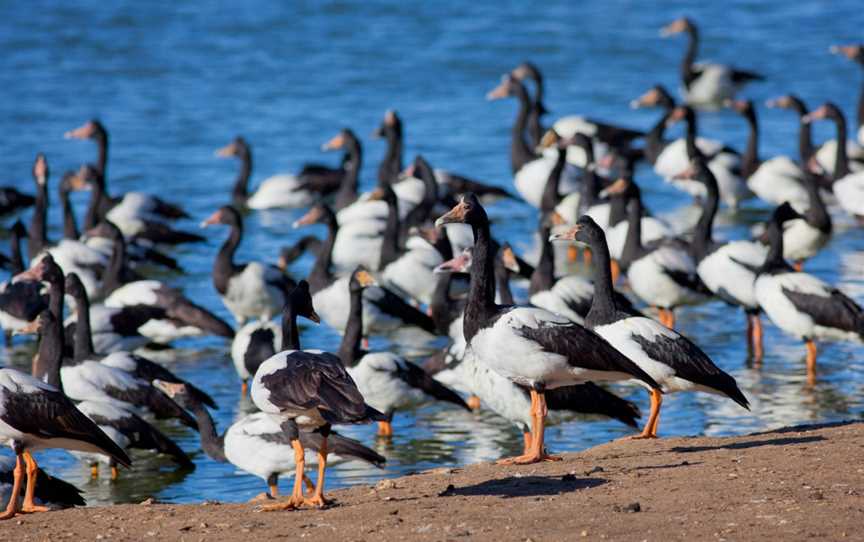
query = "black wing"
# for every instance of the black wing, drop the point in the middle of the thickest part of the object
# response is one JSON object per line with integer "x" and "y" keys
{"x": 740, "y": 77}
{"x": 145, "y": 436}
{"x": 691, "y": 363}
{"x": 317, "y": 381}
{"x": 50, "y": 414}
{"x": 342, "y": 446}
{"x": 584, "y": 348}
{"x": 169, "y": 210}
{"x": 416, "y": 377}
{"x": 150, "y": 371}
{"x": 590, "y": 398}
{"x": 23, "y": 300}
{"x": 396, "y": 307}
{"x": 837, "y": 311}
{"x": 182, "y": 309}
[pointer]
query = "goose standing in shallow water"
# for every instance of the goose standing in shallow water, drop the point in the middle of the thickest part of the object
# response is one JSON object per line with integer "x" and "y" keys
{"x": 705, "y": 84}
{"x": 727, "y": 269}
{"x": 258, "y": 444}
{"x": 249, "y": 290}
{"x": 854, "y": 148}
{"x": 531, "y": 347}
{"x": 801, "y": 304}
{"x": 387, "y": 381}
{"x": 671, "y": 359}
{"x": 307, "y": 389}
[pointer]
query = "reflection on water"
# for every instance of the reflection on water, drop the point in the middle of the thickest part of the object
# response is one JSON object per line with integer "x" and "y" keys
{"x": 173, "y": 83}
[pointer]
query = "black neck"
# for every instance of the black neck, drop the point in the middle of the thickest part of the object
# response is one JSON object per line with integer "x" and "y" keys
{"x": 543, "y": 277}
{"x": 551, "y": 196}
{"x": 502, "y": 283}
{"x": 633, "y": 243}
{"x": 603, "y": 309}
{"x": 349, "y": 348}
{"x": 481, "y": 293}
{"x": 240, "y": 192}
{"x": 423, "y": 210}
{"x": 702, "y": 233}
{"x": 390, "y": 237}
{"x": 805, "y": 138}
{"x": 223, "y": 266}
{"x": 440, "y": 303}
{"x": 56, "y": 291}
{"x": 347, "y": 193}
{"x": 38, "y": 237}
{"x": 535, "y": 126}
{"x": 320, "y": 276}
{"x": 687, "y": 73}
{"x": 690, "y": 134}
{"x": 654, "y": 143}
{"x": 290, "y": 331}
{"x": 750, "y": 160}
{"x": 841, "y": 162}
{"x": 391, "y": 165}
{"x": 212, "y": 443}
{"x": 774, "y": 261}
{"x": 112, "y": 279}
{"x": 46, "y": 365}
{"x": 520, "y": 152}
{"x": 70, "y": 228}
{"x": 83, "y": 335}
{"x": 102, "y": 144}
{"x": 15, "y": 252}
{"x": 817, "y": 213}
{"x": 94, "y": 208}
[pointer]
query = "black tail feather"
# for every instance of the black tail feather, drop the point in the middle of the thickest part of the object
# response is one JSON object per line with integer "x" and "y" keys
{"x": 416, "y": 377}
{"x": 342, "y": 446}
{"x": 592, "y": 399}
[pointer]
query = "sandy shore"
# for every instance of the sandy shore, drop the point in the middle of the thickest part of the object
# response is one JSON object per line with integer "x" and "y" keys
{"x": 792, "y": 484}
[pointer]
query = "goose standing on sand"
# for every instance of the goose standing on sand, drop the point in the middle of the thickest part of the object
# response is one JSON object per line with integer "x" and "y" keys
{"x": 801, "y": 304}
{"x": 258, "y": 444}
{"x": 131, "y": 204}
{"x": 308, "y": 390}
{"x": 384, "y": 311}
{"x": 387, "y": 381}
{"x": 248, "y": 290}
{"x": 530, "y": 170}
{"x": 671, "y": 359}
{"x": 775, "y": 180}
{"x": 848, "y": 186}
{"x": 531, "y": 347}
{"x": 727, "y": 269}
{"x": 705, "y": 84}
{"x": 35, "y": 415}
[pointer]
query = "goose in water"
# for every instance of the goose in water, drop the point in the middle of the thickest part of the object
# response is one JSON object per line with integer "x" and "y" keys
{"x": 131, "y": 204}
{"x": 848, "y": 186}
{"x": 728, "y": 269}
{"x": 387, "y": 381}
{"x": 801, "y": 304}
{"x": 529, "y": 346}
{"x": 251, "y": 289}
{"x": 258, "y": 444}
{"x": 854, "y": 148}
{"x": 530, "y": 170}
{"x": 705, "y": 84}
{"x": 384, "y": 311}
{"x": 309, "y": 390}
{"x": 725, "y": 167}
{"x": 21, "y": 299}
{"x": 671, "y": 359}
{"x": 278, "y": 191}
{"x": 35, "y": 415}
{"x": 775, "y": 180}
{"x": 138, "y": 220}
{"x": 662, "y": 273}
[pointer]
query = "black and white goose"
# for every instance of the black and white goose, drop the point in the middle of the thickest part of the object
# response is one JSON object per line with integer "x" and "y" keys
{"x": 131, "y": 204}
{"x": 848, "y": 186}
{"x": 278, "y": 191}
{"x": 826, "y": 152}
{"x": 387, "y": 381}
{"x": 671, "y": 359}
{"x": 661, "y": 273}
{"x": 384, "y": 310}
{"x": 705, "y": 84}
{"x": 21, "y": 297}
{"x": 728, "y": 269}
{"x": 530, "y": 170}
{"x": 253, "y": 344}
{"x": 531, "y": 347}
{"x": 35, "y": 415}
{"x": 308, "y": 390}
{"x": 801, "y": 304}
{"x": 259, "y": 445}
{"x": 138, "y": 215}
{"x": 251, "y": 289}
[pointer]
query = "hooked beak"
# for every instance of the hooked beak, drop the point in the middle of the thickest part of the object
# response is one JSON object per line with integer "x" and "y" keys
{"x": 617, "y": 187}
{"x": 849, "y": 51}
{"x": 310, "y": 217}
{"x": 334, "y": 144}
{"x": 549, "y": 139}
{"x": 227, "y": 151}
{"x": 453, "y": 216}
{"x": 499, "y": 92}
{"x": 314, "y": 317}
{"x": 459, "y": 264}
{"x": 677, "y": 114}
{"x": 567, "y": 235}
{"x": 818, "y": 114}
{"x": 365, "y": 278}
{"x": 32, "y": 274}
{"x": 508, "y": 258}
{"x": 82, "y": 132}
{"x": 31, "y": 328}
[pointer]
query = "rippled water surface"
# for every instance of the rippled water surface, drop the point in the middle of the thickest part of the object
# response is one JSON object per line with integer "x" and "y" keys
{"x": 174, "y": 81}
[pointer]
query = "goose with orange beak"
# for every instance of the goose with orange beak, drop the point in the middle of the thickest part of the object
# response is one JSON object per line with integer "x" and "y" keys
{"x": 671, "y": 359}
{"x": 531, "y": 347}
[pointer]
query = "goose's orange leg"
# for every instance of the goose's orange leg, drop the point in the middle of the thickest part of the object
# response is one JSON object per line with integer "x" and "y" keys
{"x": 537, "y": 453}
{"x": 473, "y": 402}
{"x": 616, "y": 270}
{"x": 17, "y": 474}
{"x": 29, "y": 506}
{"x": 318, "y": 499}
{"x": 650, "y": 430}
{"x": 811, "y": 362}
{"x": 296, "y": 499}
{"x": 385, "y": 429}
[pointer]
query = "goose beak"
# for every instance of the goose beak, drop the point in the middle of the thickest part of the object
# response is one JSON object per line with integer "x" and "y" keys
{"x": 567, "y": 235}
{"x": 365, "y": 278}
{"x": 617, "y": 187}
{"x": 310, "y": 217}
{"x": 212, "y": 219}
{"x": 227, "y": 151}
{"x": 818, "y": 114}
{"x": 508, "y": 258}
{"x": 334, "y": 144}
{"x": 314, "y": 317}
{"x": 82, "y": 132}
{"x": 501, "y": 91}
{"x": 455, "y": 215}
{"x": 32, "y": 274}
{"x": 30, "y": 329}
{"x": 459, "y": 264}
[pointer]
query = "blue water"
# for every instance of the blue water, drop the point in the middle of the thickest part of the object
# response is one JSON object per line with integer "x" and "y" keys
{"x": 175, "y": 81}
